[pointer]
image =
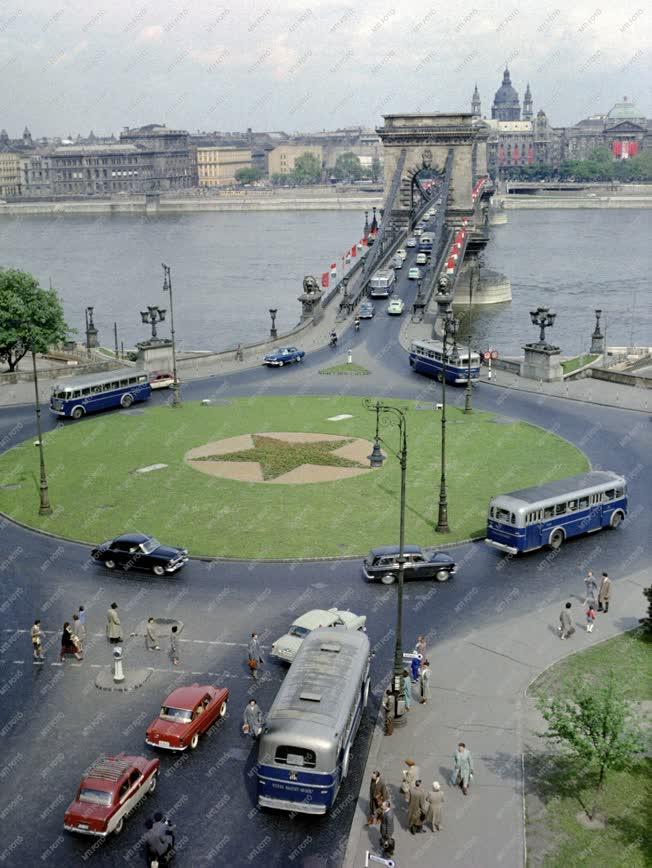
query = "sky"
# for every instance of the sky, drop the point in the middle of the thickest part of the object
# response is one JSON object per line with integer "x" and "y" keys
{"x": 69, "y": 66}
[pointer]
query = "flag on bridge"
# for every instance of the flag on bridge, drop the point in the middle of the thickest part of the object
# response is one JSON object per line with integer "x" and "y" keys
{"x": 324, "y": 280}
{"x": 354, "y": 250}
{"x": 333, "y": 266}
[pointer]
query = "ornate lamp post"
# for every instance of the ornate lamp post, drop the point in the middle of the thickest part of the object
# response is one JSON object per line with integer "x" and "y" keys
{"x": 152, "y": 316}
{"x": 451, "y": 326}
{"x": 542, "y": 318}
{"x": 167, "y": 287}
{"x": 376, "y": 459}
{"x": 272, "y": 332}
{"x": 44, "y": 505}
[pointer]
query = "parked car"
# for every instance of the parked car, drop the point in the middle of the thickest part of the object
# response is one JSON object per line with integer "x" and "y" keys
{"x": 402, "y": 252}
{"x": 142, "y": 552}
{"x": 414, "y": 274}
{"x": 396, "y": 307}
{"x": 283, "y": 356}
{"x": 287, "y": 646}
{"x": 161, "y": 380}
{"x": 421, "y": 259}
{"x": 108, "y": 792}
{"x": 381, "y": 565}
{"x": 411, "y": 242}
{"x": 367, "y": 310}
{"x": 187, "y": 713}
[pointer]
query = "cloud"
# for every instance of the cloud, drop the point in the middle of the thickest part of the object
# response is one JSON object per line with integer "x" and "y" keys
{"x": 151, "y": 33}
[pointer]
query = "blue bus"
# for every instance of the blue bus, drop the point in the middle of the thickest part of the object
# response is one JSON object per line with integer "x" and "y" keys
{"x": 122, "y": 388}
{"x": 426, "y": 241}
{"x": 426, "y": 357}
{"x": 549, "y": 514}
{"x": 305, "y": 748}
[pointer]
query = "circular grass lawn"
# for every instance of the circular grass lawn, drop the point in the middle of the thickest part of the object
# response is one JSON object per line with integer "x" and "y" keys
{"x": 96, "y": 492}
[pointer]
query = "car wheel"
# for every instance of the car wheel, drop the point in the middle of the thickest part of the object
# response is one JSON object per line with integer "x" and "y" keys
{"x": 616, "y": 518}
{"x": 556, "y": 539}
{"x": 126, "y": 401}
{"x": 388, "y": 579}
{"x": 159, "y": 570}
{"x": 280, "y": 364}
{"x": 223, "y": 709}
{"x": 120, "y": 826}
{"x": 442, "y": 575}
{"x": 194, "y": 741}
{"x": 110, "y": 565}
{"x": 153, "y": 782}
{"x": 77, "y": 413}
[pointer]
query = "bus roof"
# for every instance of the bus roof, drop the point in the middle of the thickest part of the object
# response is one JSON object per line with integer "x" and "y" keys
{"x": 581, "y": 483}
{"x": 97, "y": 379}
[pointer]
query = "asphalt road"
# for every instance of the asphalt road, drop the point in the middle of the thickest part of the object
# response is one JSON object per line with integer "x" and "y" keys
{"x": 55, "y": 722}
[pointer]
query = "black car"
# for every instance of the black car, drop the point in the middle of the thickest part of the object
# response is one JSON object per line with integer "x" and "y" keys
{"x": 381, "y": 565}
{"x": 136, "y": 550}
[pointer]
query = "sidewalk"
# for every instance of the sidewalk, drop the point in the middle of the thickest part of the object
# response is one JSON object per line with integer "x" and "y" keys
{"x": 478, "y": 697}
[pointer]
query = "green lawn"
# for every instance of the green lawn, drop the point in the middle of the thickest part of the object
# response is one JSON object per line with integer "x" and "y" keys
{"x": 96, "y": 493}
{"x": 570, "y": 365}
{"x": 345, "y": 369}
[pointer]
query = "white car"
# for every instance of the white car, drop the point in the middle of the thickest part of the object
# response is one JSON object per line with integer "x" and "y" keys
{"x": 412, "y": 241}
{"x": 396, "y": 307}
{"x": 421, "y": 259}
{"x": 414, "y": 274}
{"x": 287, "y": 646}
{"x": 402, "y": 253}
{"x": 418, "y": 231}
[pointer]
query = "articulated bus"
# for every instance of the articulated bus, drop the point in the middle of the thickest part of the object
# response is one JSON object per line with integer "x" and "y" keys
{"x": 426, "y": 357}
{"x": 548, "y": 514}
{"x": 83, "y": 395}
{"x": 305, "y": 748}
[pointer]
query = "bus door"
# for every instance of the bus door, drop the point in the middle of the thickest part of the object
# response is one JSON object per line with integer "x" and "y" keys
{"x": 533, "y": 534}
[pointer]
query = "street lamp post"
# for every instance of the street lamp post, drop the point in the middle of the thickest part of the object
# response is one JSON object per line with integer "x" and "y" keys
{"x": 451, "y": 326}
{"x": 272, "y": 332}
{"x": 467, "y": 397}
{"x": 44, "y": 505}
{"x": 167, "y": 287}
{"x": 376, "y": 459}
{"x": 152, "y": 316}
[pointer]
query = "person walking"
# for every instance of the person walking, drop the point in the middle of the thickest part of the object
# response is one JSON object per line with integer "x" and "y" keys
{"x": 68, "y": 644}
{"x": 387, "y": 843}
{"x": 37, "y": 641}
{"x": 164, "y": 828}
{"x": 435, "y": 802}
{"x": 604, "y": 594}
{"x": 113, "y": 625}
{"x": 156, "y": 844}
{"x": 174, "y": 645}
{"x": 566, "y": 628}
{"x": 81, "y": 615}
{"x": 253, "y": 719}
{"x": 415, "y": 666}
{"x": 388, "y": 708}
{"x": 407, "y": 689}
{"x": 424, "y": 682}
{"x": 590, "y": 618}
{"x": 462, "y": 768}
{"x": 410, "y": 776}
{"x": 590, "y": 589}
{"x": 416, "y": 808}
{"x": 151, "y": 637}
{"x": 76, "y": 631}
{"x": 254, "y": 656}
{"x": 420, "y": 646}
{"x": 378, "y": 794}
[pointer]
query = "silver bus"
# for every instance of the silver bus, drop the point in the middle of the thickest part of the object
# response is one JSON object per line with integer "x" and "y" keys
{"x": 382, "y": 283}
{"x": 305, "y": 748}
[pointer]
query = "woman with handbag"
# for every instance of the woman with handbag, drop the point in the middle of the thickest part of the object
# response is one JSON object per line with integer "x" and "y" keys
{"x": 253, "y": 719}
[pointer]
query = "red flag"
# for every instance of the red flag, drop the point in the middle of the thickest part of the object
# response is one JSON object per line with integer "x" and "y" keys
{"x": 363, "y": 241}
{"x": 333, "y": 265}
{"x": 617, "y": 148}
{"x": 530, "y": 155}
{"x": 354, "y": 250}
{"x": 633, "y": 149}
{"x": 324, "y": 280}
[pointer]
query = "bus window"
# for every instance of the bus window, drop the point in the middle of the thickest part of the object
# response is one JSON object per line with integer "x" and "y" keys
{"x": 584, "y": 502}
{"x": 295, "y": 756}
{"x": 491, "y": 512}
{"x": 608, "y": 495}
{"x": 548, "y": 512}
{"x": 76, "y": 394}
{"x": 505, "y": 516}
{"x": 96, "y": 390}
{"x": 620, "y": 492}
{"x": 560, "y": 509}
{"x": 124, "y": 383}
{"x": 572, "y": 505}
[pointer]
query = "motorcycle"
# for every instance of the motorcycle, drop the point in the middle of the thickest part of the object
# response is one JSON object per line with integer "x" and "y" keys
{"x": 357, "y": 325}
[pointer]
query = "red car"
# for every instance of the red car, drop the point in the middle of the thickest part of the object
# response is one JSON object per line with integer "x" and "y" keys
{"x": 185, "y": 715}
{"x": 109, "y": 791}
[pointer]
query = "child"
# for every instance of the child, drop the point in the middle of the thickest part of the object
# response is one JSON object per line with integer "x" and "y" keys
{"x": 174, "y": 647}
{"x": 590, "y": 618}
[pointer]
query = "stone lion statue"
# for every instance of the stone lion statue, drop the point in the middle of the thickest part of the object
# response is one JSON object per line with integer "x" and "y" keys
{"x": 310, "y": 284}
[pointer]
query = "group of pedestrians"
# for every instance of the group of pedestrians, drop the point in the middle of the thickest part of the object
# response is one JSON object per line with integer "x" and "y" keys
{"x": 596, "y": 599}
{"x": 73, "y": 637}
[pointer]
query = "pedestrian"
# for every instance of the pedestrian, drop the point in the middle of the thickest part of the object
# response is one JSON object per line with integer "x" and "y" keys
{"x": 68, "y": 644}
{"x": 164, "y": 828}
{"x": 253, "y": 719}
{"x": 407, "y": 689}
{"x": 156, "y": 845}
{"x": 151, "y": 637}
{"x": 410, "y": 776}
{"x": 174, "y": 645}
{"x": 388, "y": 708}
{"x": 254, "y": 656}
{"x": 415, "y": 665}
{"x": 420, "y": 647}
{"x": 387, "y": 843}
{"x": 591, "y": 589}
{"x": 435, "y": 802}
{"x": 462, "y": 768}
{"x": 416, "y": 808}
{"x": 37, "y": 641}
{"x": 378, "y": 795}
{"x": 566, "y": 628}
{"x": 604, "y": 595}
{"x": 81, "y": 615}
{"x": 590, "y": 618}
{"x": 76, "y": 633}
{"x": 113, "y": 625}
{"x": 424, "y": 682}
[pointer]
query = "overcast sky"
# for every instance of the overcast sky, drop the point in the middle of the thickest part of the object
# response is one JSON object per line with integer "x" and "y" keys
{"x": 69, "y": 66}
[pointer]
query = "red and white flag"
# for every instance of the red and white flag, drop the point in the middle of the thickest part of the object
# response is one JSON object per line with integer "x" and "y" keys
{"x": 324, "y": 280}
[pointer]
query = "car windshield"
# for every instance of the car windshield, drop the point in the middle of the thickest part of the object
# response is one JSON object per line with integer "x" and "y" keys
{"x": 95, "y": 797}
{"x": 149, "y": 545}
{"x": 295, "y": 630}
{"x": 176, "y": 715}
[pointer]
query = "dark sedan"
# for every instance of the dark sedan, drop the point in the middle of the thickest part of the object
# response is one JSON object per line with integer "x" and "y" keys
{"x": 136, "y": 550}
{"x": 283, "y": 356}
{"x": 381, "y": 565}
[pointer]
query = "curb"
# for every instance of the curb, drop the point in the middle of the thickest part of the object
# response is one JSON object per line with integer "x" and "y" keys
{"x": 566, "y": 397}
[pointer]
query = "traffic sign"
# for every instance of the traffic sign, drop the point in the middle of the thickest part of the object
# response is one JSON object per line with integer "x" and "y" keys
{"x": 486, "y": 356}
{"x": 494, "y": 354}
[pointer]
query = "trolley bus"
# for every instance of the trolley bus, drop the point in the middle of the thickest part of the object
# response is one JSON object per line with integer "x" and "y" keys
{"x": 426, "y": 357}
{"x": 121, "y": 388}
{"x": 549, "y": 514}
{"x": 305, "y": 748}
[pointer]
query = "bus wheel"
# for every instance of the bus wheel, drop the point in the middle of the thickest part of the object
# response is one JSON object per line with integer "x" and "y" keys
{"x": 616, "y": 518}
{"x": 126, "y": 401}
{"x": 556, "y": 539}
{"x": 77, "y": 413}
{"x": 388, "y": 579}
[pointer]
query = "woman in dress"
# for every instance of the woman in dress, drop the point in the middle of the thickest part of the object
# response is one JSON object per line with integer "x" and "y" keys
{"x": 68, "y": 644}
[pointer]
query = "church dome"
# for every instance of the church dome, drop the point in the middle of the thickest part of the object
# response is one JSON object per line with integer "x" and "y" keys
{"x": 506, "y": 105}
{"x": 624, "y": 111}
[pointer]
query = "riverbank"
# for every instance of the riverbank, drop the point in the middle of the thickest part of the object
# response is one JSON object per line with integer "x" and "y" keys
{"x": 543, "y": 200}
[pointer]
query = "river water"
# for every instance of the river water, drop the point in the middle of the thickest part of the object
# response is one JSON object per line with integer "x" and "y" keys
{"x": 228, "y": 269}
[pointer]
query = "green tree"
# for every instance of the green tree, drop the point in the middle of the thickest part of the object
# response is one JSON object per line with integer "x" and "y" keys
{"x": 31, "y": 318}
{"x": 647, "y": 622}
{"x": 376, "y": 169}
{"x": 307, "y": 169}
{"x": 278, "y": 179}
{"x": 248, "y": 176}
{"x": 593, "y": 724}
{"x": 348, "y": 167}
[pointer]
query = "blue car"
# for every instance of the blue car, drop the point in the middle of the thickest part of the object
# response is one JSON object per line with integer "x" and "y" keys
{"x": 283, "y": 356}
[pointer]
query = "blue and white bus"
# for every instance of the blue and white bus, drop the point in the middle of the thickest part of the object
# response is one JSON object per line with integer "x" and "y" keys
{"x": 549, "y": 514}
{"x": 122, "y": 388}
{"x": 426, "y": 357}
{"x": 305, "y": 748}
{"x": 426, "y": 241}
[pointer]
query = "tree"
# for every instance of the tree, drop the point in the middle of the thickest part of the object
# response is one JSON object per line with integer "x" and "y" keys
{"x": 278, "y": 179}
{"x": 593, "y": 723}
{"x": 31, "y": 318}
{"x": 307, "y": 169}
{"x": 647, "y": 622}
{"x": 376, "y": 169}
{"x": 248, "y": 176}
{"x": 348, "y": 167}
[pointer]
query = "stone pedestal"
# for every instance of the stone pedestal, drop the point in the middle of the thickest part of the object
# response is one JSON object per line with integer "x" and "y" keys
{"x": 598, "y": 344}
{"x": 542, "y": 362}
{"x": 93, "y": 341}
{"x": 310, "y": 299}
{"x": 155, "y": 355}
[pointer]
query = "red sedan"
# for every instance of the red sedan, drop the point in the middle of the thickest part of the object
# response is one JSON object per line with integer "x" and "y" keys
{"x": 185, "y": 715}
{"x": 109, "y": 791}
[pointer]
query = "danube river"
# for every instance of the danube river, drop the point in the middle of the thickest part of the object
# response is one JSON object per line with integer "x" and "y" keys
{"x": 228, "y": 269}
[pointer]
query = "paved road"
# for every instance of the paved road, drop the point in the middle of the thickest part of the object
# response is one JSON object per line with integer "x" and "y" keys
{"x": 54, "y": 722}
